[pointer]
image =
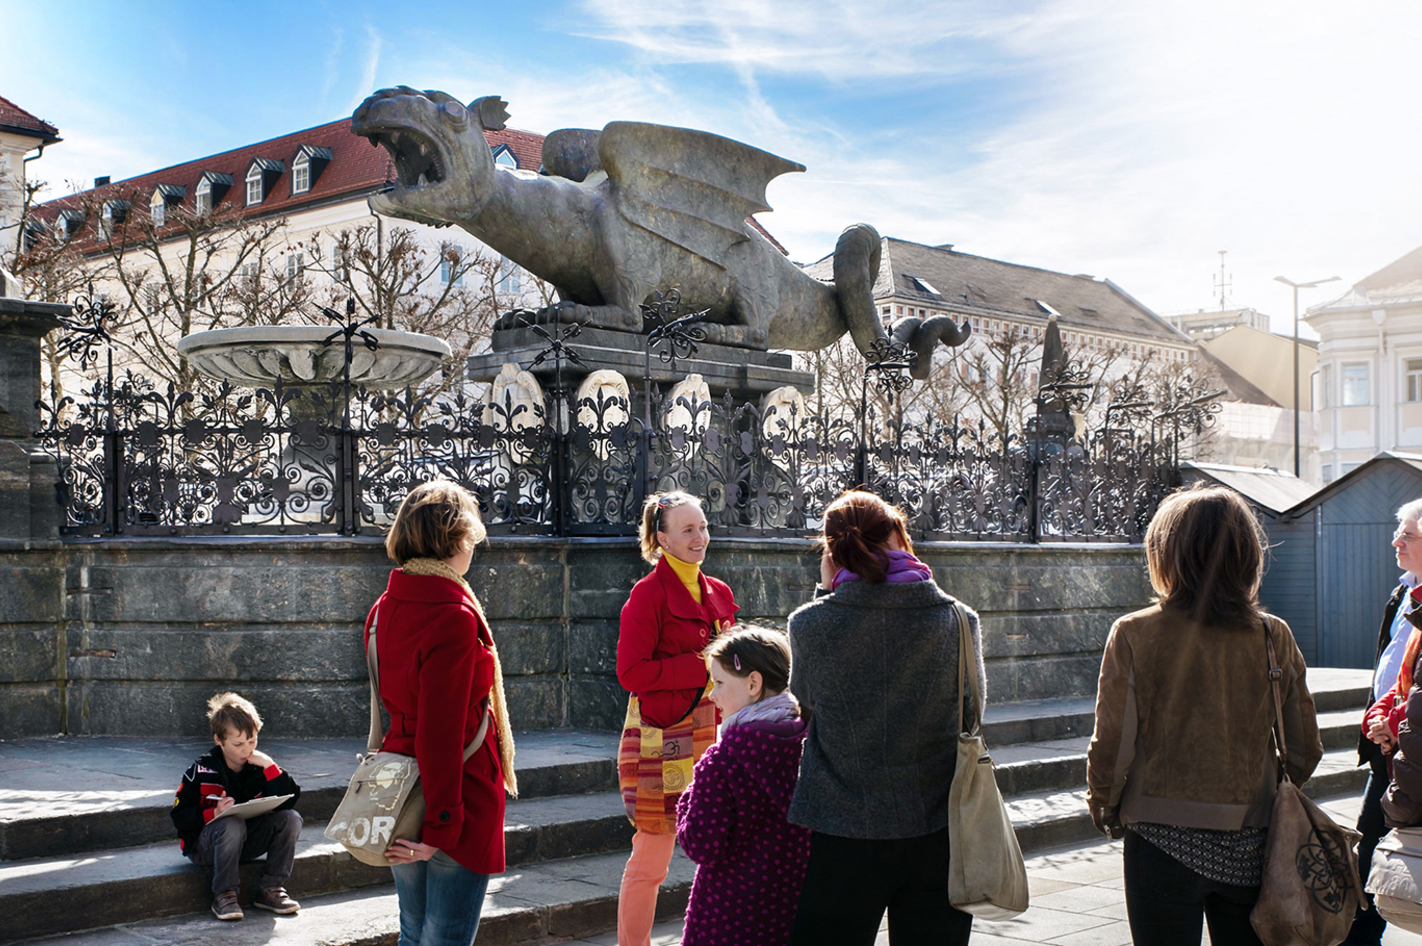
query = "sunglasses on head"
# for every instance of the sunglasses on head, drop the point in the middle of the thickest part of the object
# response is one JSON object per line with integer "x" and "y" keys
{"x": 663, "y": 503}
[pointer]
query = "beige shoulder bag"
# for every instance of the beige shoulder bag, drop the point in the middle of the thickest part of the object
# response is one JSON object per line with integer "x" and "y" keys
{"x": 986, "y": 876}
{"x": 384, "y": 801}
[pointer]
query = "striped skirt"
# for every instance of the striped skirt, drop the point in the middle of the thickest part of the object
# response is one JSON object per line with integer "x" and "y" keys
{"x": 654, "y": 765}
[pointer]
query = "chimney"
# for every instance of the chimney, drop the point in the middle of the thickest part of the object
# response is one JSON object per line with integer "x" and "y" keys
{"x": 101, "y": 181}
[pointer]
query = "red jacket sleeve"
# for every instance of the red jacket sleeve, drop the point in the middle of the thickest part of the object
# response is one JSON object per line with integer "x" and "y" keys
{"x": 1386, "y": 708}
{"x": 638, "y": 669}
{"x": 446, "y": 675}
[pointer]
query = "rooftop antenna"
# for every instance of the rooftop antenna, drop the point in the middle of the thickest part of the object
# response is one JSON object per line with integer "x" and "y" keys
{"x": 1222, "y": 285}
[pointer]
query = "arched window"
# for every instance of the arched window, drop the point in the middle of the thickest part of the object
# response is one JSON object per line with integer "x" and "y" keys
{"x": 505, "y": 158}
{"x": 255, "y": 191}
{"x": 301, "y": 174}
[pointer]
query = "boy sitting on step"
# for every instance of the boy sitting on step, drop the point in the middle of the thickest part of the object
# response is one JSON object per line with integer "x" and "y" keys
{"x": 231, "y": 773}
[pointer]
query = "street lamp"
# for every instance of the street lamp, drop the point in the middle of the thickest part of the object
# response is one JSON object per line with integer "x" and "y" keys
{"x": 1296, "y": 287}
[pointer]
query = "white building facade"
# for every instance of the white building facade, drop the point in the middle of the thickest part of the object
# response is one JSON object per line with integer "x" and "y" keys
{"x": 1368, "y": 387}
{"x": 23, "y": 138}
{"x": 317, "y": 181}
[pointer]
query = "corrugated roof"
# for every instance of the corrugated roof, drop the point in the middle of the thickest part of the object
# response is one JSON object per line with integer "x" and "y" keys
{"x": 964, "y": 282}
{"x": 1272, "y": 490}
{"x": 1411, "y": 460}
{"x": 20, "y": 122}
{"x": 355, "y": 168}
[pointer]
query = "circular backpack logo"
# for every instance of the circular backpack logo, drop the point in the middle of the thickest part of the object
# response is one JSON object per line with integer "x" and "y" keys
{"x": 1315, "y": 862}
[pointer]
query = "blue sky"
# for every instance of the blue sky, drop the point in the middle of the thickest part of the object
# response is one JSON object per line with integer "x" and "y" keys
{"x": 1123, "y": 139}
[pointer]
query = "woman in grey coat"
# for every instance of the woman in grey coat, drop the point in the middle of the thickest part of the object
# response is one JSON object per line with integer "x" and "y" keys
{"x": 875, "y": 668}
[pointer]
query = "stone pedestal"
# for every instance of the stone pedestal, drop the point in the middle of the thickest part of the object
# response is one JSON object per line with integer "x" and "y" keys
{"x": 29, "y": 508}
{"x": 742, "y": 371}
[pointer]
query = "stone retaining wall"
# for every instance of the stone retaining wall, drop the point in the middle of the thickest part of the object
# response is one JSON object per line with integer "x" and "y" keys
{"x": 130, "y": 636}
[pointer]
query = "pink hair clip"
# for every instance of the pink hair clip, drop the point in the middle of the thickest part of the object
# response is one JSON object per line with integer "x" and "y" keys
{"x": 737, "y": 659}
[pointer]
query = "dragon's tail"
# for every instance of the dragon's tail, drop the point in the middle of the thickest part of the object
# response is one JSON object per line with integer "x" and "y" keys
{"x": 856, "y": 266}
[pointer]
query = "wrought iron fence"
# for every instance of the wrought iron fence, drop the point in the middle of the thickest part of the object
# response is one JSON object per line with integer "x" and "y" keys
{"x": 139, "y": 459}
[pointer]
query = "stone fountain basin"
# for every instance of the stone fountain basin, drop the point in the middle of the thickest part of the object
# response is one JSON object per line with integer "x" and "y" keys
{"x": 258, "y": 355}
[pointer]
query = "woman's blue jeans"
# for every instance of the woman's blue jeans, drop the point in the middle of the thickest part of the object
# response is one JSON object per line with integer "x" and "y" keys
{"x": 440, "y": 902}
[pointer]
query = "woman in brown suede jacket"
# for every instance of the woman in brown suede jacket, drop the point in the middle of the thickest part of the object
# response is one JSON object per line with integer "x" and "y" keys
{"x": 1182, "y": 760}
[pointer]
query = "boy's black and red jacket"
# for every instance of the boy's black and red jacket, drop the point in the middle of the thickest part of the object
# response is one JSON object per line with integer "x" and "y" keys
{"x": 209, "y": 779}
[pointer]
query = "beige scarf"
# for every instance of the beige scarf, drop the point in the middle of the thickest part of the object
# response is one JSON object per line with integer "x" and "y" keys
{"x": 498, "y": 704}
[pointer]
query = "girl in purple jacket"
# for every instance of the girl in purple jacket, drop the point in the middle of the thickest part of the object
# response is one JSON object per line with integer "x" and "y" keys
{"x": 731, "y": 820}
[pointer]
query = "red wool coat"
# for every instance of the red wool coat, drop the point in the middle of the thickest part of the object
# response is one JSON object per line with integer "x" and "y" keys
{"x": 436, "y": 668}
{"x": 662, "y": 635}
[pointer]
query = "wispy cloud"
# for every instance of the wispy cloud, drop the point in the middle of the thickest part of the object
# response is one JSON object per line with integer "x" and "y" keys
{"x": 1131, "y": 140}
{"x": 838, "y": 39}
{"x": 370, "y": 68}
{"x": 332, "y": 72}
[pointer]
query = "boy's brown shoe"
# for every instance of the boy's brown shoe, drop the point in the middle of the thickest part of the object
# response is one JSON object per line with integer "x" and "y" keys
{"x": 276, "y": 900}
{"x": 224, "y": 905}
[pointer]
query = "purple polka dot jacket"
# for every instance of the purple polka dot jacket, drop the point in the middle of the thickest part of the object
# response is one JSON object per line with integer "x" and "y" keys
{"x": 750, "y": 861}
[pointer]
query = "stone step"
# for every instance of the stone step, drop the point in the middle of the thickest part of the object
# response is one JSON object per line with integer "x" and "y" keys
{"x": 79, "y": 794}
{"x": 1030, "y": 721}
{"x": 90, "y": 793}
{"x": 534, "y": 900}
{"x": 551, "y": 901}
{"x": 1336, "y": 688}
{"x": 1052, "y": 817}
{"x": 55, "y": 894}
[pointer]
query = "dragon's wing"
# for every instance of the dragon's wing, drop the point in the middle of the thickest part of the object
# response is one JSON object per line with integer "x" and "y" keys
{"x": 692, "y": 188}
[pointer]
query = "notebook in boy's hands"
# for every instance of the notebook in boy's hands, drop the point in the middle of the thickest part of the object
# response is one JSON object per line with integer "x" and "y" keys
{"x": 250, "y": 809}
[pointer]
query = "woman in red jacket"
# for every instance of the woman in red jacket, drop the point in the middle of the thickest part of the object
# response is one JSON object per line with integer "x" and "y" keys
{"x": 439, "y": 676}
{"x": 669, "y": 618}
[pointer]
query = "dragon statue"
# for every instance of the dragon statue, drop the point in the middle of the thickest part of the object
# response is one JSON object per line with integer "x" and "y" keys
{"x": 629, "y": 210}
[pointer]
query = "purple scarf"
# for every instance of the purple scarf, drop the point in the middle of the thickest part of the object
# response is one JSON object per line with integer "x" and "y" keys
{"x": 902, "y": 567}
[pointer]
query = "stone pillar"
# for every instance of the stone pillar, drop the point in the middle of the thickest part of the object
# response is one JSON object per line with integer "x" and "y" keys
{"x": 28, "y": 504}
{"x": 32, "y": 573}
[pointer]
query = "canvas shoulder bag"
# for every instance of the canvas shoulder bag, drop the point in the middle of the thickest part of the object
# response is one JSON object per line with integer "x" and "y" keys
{"x": 1395, "y": 879}
{"x": 384, "y": 801}
{"x": 1310, "y": 888}
{"x": 986, "y": 875}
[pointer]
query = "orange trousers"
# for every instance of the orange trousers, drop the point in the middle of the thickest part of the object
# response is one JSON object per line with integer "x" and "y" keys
{"x": 637, "y": 901}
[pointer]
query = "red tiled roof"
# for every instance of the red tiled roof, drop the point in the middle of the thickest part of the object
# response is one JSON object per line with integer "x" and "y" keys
{"x": 356, "y": 167}
{"x": 17, "y": 120}
{"x": 760, "y": 228}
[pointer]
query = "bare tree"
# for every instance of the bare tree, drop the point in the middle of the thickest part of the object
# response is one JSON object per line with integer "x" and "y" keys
{"x": 453, "y": 293}
{"x": 184, "y": 271}
{"x": 50, "y": 268}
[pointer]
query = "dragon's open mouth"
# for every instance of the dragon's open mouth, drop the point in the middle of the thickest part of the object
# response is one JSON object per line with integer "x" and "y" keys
{"x": 416, "y": 156}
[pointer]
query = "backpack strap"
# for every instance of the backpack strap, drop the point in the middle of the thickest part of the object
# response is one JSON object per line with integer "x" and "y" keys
{"x": 1276, "y": 677}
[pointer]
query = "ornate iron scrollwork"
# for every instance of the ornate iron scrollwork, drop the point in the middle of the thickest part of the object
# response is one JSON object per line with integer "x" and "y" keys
{"x": 669, "y": 335}
{"x": 145, "y": 459}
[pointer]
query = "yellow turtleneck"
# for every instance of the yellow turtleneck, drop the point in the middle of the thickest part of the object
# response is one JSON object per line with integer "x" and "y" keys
{"x": 688, "y": 572}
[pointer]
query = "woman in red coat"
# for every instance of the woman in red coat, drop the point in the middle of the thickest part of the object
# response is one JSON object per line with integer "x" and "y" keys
{"x": 669, "y": 618}
{"x": 439, "y": 676}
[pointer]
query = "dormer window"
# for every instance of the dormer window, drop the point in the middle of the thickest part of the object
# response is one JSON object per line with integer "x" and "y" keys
{"x": 209, "y": 191}
{"x": 921, "y": 284}
{"x": 34, "y": 232}
{"x": 113, "y": 214}
{"x": 505, "y": 158}
{"x": 307, "y": 166}
{"x": 164, "y": 196}
{"x": 261, "y": 175}
{"x": 66, "y": 223}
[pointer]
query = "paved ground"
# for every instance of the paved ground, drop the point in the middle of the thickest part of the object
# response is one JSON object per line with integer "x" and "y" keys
{"x": 1077, "y": 900}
